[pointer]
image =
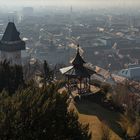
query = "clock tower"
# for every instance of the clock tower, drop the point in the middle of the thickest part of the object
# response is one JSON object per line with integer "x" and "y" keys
{"x": 11, "y": 45}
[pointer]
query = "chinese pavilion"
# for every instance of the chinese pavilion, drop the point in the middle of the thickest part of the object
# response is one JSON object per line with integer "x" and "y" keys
{"x": 78, "y": 75}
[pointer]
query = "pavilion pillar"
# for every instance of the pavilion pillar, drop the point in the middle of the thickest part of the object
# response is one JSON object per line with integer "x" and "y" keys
{"x": 77, "y": 85}
{"x": 80, "y": 85}
{"x": 89, "y": 84}
{"x": 86, "y": 83}
{"x": 68, "y": 84}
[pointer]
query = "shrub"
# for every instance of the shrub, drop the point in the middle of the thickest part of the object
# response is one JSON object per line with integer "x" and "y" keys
{"x": 130, "y": 127}
{"x": 11, "y": 77}
{"x": 38, "y": 114}
{"x": 105, "y": 132}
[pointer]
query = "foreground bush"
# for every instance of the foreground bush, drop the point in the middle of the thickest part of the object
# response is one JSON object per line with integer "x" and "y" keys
{"x": 128, "y": 101}
{"x": 11, "y": 77}
{"x": 131, "y": 128}
{"x": 105, "y": 131}
{"x": 39, "y": 114}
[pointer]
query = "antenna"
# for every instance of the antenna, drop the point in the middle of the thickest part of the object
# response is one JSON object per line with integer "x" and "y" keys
{"x": 71, "y": 9}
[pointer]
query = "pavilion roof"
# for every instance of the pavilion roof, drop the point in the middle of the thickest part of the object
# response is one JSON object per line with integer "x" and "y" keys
{"x": 77, "y": 69}
{"x": 66, "y": 69}
{"x": 78, "y": 60}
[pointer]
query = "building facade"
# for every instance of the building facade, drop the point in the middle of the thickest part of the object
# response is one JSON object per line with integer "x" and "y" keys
{"x": 132, "y": 73}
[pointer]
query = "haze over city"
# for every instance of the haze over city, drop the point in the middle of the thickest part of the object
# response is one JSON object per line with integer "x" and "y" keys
{"x": 90, "y": 3}
{"x": 69, "y": 69}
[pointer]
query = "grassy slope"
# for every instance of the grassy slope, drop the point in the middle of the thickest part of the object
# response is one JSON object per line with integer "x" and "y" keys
{"x": 94, "y": 114}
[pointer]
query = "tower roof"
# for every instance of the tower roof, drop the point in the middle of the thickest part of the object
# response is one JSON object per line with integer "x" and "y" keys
{"x": 11, "y": 40}
{"x": 11, "y": 33}
{"x": 78, "y": 60}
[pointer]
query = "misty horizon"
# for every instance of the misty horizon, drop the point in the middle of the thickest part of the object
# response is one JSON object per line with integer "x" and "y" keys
{"x": 78, "y": 3}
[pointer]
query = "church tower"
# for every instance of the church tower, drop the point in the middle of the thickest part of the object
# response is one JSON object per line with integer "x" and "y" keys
{"x": 11, "y": 45}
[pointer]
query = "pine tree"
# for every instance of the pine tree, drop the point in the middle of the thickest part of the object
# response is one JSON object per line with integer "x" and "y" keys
{"x": 11, "y": 77}
{"x": 39, "y": 114}
{"x": 49, "y": 74}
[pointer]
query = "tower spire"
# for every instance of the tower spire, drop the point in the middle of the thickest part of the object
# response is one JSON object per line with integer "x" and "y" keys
{"x": 78, "y": 47}
{"x": 12, "y": 44}
{"x": 78, "y": 60}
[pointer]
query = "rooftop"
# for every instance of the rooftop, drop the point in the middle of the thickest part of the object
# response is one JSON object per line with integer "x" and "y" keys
{"x": 78, "y": 60}
{"x": 11, "y": 39}
{"x": 11, "y": 33}
{"x": 78, "y": 68}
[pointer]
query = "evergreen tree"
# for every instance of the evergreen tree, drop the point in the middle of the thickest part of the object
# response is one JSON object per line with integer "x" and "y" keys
{"x": 49, "y": 74}
{"x": 11, "y": 77}
{"x": 39, "y": 114}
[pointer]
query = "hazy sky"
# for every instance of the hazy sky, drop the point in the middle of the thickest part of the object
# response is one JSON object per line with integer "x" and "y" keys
{"x": 92, "y": 3}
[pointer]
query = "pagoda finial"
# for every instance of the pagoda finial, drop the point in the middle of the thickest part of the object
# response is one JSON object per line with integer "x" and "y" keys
{"x": 78, "y": 45}
{"x": 78, "y": 48}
